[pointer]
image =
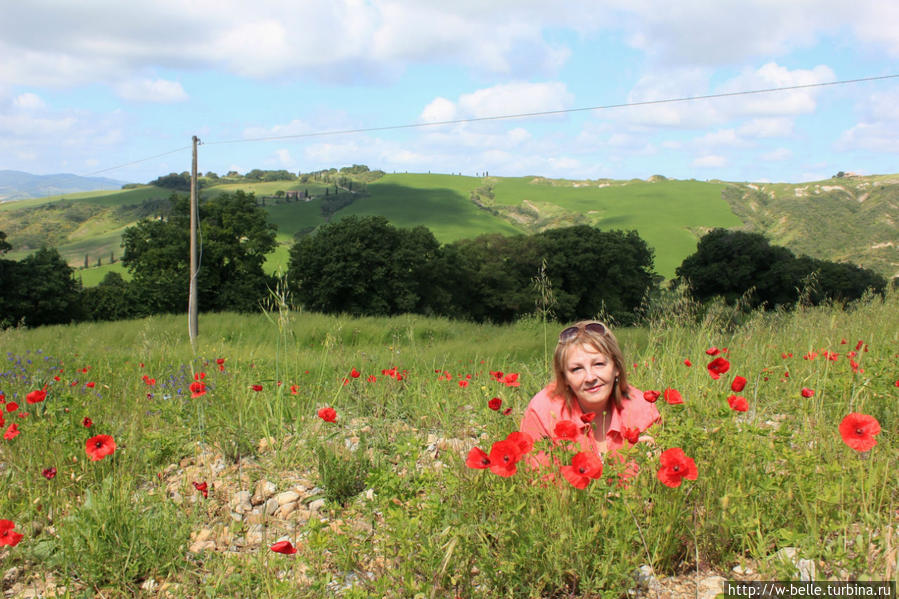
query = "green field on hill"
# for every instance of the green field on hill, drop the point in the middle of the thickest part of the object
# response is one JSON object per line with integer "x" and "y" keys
{"x": 850, "y": 219}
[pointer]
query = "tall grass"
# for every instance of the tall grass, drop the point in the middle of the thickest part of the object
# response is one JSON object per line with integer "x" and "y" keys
{"x": 773, "y": 477}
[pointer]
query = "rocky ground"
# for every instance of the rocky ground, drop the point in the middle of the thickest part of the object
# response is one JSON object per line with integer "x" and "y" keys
{"x": 248, "y": 509}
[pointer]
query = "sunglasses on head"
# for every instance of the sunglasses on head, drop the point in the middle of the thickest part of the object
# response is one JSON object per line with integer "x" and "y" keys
{"x": 571, "y": 332}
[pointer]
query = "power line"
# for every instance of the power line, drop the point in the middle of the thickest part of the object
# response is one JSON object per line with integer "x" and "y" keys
{"x": 112, "y": 168}
{"x": 514, "y": 116}
{"x": 553, "y": 112}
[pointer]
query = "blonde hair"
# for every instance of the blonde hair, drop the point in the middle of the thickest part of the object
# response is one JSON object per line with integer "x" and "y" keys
{"x": 604, "y": 342}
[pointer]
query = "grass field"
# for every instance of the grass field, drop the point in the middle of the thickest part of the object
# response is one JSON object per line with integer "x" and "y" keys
{"x": 218, "y": 455}
{"x": 439, "y": 202}
{"x": 669, "y": 215}
{"x": 845, "y": 220}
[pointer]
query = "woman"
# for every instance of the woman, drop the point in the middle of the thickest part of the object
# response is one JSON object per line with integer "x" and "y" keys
{"x": 591, "y": 390}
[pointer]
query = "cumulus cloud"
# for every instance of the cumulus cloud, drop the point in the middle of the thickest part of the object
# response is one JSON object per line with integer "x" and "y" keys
{"x": 878, "y": 127}
{"x": 28, "y": 101}
{"x": 152, "y": 90}
{"x": 710, "y": 161}
{"x": 499, "y": 100}
{"x": 770, "y": 111}
{"x": 55, "y": 41}
{"x": 778, "y": 155}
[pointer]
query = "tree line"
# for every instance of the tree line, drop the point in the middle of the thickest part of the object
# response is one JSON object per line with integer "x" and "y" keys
{"x": 366, "y": 266}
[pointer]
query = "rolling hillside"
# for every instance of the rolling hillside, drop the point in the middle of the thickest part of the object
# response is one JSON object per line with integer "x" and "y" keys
{"x": 849, "y": 219}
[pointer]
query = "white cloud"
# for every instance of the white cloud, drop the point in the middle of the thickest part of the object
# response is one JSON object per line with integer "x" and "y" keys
{"x": 767, "y": 127}
{"x": 439, "y": 110}
{"x": 878, "y": 129}
{"x": 504, "y": 99}
{"x": 721, "y": 138}
{"x": 28, "y": 101}
{"x": 870, "y": 136}
{"x": 770, "y": 111}
{"x": 710, "y": 161}
{"x": 778, "y": 155}
{"x": 284, "y": 158}
{"x": 152, "y": 90}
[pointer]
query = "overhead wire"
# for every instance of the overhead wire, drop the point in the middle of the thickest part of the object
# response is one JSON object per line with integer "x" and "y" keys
{"x": 522, "y": 115}
{"x": 553, "y": 112}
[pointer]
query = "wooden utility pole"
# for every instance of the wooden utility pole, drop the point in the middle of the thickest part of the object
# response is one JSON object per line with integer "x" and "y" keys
{"x": 192, "y": 299}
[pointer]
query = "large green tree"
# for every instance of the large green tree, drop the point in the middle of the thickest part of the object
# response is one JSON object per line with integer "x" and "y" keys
{"x": 39, "y": 290}
{"x": 596, "y": 272}
{"x": 234, "y": 238}
{"x": 733, "y": 264}
{"x": 365, "y": 265}
{"x": 112, "y": 299}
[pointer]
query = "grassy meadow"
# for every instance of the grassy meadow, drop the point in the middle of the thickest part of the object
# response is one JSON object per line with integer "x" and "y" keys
{"x": 223, "y": 452}
{"x": 851, "y": 219}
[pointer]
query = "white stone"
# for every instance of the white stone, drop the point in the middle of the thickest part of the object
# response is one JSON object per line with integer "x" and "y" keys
{"x": 287, "y": 497}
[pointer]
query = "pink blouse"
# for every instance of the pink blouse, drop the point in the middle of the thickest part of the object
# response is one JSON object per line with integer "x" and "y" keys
{"x": 546, "y": 409}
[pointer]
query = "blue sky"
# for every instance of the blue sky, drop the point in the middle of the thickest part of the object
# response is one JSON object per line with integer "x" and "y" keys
{"x": 90, "y": 87}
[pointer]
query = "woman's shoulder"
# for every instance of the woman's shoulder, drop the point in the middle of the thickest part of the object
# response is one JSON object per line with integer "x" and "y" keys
{"x": 547, "y": 396}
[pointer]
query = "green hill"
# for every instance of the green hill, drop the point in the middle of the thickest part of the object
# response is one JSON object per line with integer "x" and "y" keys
{"x": 848, "y": 219}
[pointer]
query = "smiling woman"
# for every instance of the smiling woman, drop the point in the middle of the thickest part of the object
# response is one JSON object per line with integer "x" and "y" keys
{"x": 591, "y": 391}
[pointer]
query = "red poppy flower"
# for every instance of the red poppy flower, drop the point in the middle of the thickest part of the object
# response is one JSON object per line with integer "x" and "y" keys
{"x": 495, "y": 404}
{"x": 99, "y": 447}
{"x": 588, "y": 417}
{"x": 896, "y": 383}
{"x": 737, "y": 384}
{"x": 676, "y": 466}
{"x": 90, "y": 385}
{"x": 197, "y": 389}
{"x": 477, "y": 458}
{"x": 221, "y": 363}
{"x": 2, "y": 421}
{"x": 737, "y": 403}
{"x": 810, "y": 356}
{"x": 688, "y": 363}
{"x": 284, "y": 547}
{"x": 36, "y": 396}
{"x": 199, "y": 376}
{"x": 7, "y": 535}
{"x": 463, "y": 383}
{"x": 503, "y": 457}
{"x": 87, "y": 422}
{"x": 511, "y": 380}
{"x": 858, "y": 431}
{"x": 257, "y": 388}
{"x": 585, "y": 466}
{"x": 150, "y": 382}
{"x": 631, "y": 434}
{"x": 48, "y": 473}
{"x": 651, "y": 396}
{"x": 673, "y": 396}
{"x": 372, "y": 378}
{"x": 858, "y": 345}
{"x": 12, "y": 406}
{"x": 566, "y": 429}
{"x": 294, "y": 389}
{"x": 355, "y": 373}
{"x": 524, "y": 441}
{"x": 806, "y": 392}
{"x": 713, "y": 351}
{"x": 203, "y": 488}
{"x": 12, "y": 432}
{"x": 328, "y": 414}
{"x": 717, "y": 367}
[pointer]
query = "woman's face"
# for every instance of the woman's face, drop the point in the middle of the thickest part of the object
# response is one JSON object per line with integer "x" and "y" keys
{"x": 591, "y": 376}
